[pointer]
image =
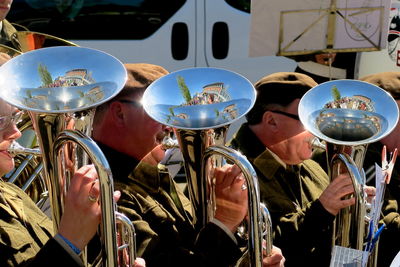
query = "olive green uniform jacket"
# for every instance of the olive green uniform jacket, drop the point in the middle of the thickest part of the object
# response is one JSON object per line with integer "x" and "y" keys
{"x": 26, "y": 233}
{"x": 6, "y": 32}
{"x": 302, "y": 227}
{"x": 161, "y": 215}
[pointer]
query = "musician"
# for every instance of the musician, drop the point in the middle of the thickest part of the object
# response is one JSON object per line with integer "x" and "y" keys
{"x": 6, "y": 29}
{"x": 322, "y": 67}
{"x": 388, "y": 244}
{"x": 26, "y": 234}
{"x": 122, "y": 129}
{"x": 150, "y": 198}
{"x": 301, "y": 200}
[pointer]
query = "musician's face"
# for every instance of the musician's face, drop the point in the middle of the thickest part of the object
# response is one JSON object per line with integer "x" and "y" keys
{"x": 5, "y": 6}
{"x": 295, "y": 146}
{"x": 7, "y": 136}
{"x": 145, "y": 132}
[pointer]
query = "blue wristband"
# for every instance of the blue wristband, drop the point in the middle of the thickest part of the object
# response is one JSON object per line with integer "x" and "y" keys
{"x": 75, "y": 249}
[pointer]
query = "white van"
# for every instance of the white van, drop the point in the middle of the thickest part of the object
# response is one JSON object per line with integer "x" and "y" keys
{"x": 175, "y": 34}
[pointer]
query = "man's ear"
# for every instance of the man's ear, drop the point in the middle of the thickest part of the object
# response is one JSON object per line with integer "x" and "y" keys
{"x": 269, "y": 121}
{"x": 116, "y": 113}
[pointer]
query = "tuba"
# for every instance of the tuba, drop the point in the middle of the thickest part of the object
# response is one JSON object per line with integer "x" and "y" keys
{"x": 60, "y": 88}
{"x": 200, "y": 104}
{"x": 28, "y": 171}
{"x": 348, "y": 115}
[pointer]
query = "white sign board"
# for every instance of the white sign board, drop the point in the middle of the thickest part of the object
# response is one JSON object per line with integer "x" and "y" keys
{"x": 303, "y": 25}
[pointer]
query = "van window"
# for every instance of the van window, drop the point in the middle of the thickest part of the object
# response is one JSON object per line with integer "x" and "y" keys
{"x": 91, "y": 19}
{"x": 243, "y": 5}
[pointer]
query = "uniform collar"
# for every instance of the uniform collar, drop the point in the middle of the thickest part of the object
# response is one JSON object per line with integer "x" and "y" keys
{"x": 267, "y": 162}
{"x": 147, "y": 176}
{"x": 120, "y": 163}
{"x": 247, "y": 142}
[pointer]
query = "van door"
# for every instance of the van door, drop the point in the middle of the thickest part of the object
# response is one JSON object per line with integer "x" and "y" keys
{"x": 226, "y": 41}
{"x": 152, "y": 31}
{"x": 171, "y": 46}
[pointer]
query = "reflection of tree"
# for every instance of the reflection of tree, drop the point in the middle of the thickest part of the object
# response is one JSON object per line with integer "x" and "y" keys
{"x": 184, "y": 89}
{"x": 45, "y": 75}
{"x": 335, "y": 93}
{"x": 171, "y": 110}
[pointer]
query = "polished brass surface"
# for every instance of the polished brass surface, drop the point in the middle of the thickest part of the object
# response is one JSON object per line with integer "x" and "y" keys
{"x": 27, "y": 41}
{"x": 348, "y": 115}
{"x": 60, "y": 87}
{"x": 200, "y": 104}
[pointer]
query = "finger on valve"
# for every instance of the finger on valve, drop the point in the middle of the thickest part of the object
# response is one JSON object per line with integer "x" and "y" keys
{"x": 139, "y": 262}
{"x": 231, "y": 199}
{"x": 80, "y": 208}
{"x": 275, "y": 259}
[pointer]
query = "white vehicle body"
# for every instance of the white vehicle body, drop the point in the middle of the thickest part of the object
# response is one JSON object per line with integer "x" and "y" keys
{"x": 200, "y": 17}
{"x": 207, "y": 22}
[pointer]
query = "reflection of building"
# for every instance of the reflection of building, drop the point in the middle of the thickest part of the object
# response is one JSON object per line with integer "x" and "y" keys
{"x": 216, "y": 91}
{"x": 231, "y": 110}
{"x": 212, "y": 93}
{"x": 357, "y": 102}
{"x": 182, "y": 116}
{"x": 75, "y": 77}
{"x": 366, "y": 103}
{"x": 74, "y": 89}
{"x": 96, "y": 94}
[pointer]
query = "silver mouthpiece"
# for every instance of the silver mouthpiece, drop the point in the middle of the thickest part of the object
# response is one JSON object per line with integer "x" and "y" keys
{"x": 15, "y": 149}
{"x": 316, "y": 143}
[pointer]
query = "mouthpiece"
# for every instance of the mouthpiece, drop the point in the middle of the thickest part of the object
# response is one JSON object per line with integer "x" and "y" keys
{"x": 15, "y": 149}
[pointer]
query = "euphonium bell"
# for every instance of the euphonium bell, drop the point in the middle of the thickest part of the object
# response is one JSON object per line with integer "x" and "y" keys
{"x": 200, "y": 104}
{"x": 28, "y": 168}
{"x": 348, "y": 115}
{"x": 60, "y": 88}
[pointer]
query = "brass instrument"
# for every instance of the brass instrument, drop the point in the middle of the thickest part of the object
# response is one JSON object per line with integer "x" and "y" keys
{"x": 27, "y": 173}
{"x": 12, "y": 52}
{"x": 60, "y": 87}
{"x": 27, "y": 41}
{"x": 200, "y": 104}
{"x": 348, "y": 115}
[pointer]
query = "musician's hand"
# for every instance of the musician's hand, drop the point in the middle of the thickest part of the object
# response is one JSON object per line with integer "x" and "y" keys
{"x": 276, "y": 258}
{"x": 370, "y": 191}
{"x": 231, "y": 197}
{"x": 139, "y": 262}
{"x": 82, "y": 205}
{"x": 154, "y": 156}
{"x": 4, "y": 58}
{"x": 331, "y": 198}
{"x": 324, "y": 58}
